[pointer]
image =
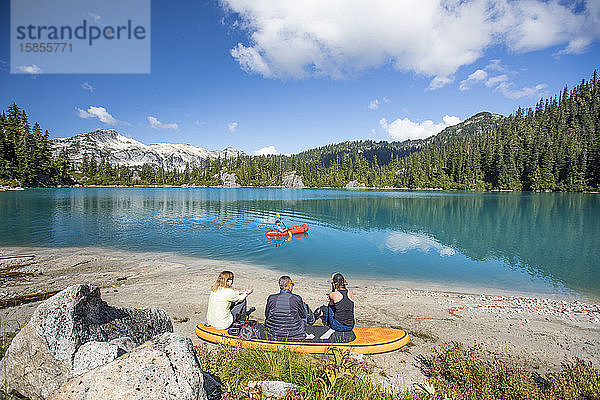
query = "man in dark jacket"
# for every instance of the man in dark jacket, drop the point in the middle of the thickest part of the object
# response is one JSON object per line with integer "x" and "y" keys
{"x": 286, "y": 314}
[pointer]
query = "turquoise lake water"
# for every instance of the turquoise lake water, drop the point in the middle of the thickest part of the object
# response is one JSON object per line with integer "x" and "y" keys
{"x": 539, "y": 242}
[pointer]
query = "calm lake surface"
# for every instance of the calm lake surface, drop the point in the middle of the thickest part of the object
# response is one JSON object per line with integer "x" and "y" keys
{"x": 538, "y": 242}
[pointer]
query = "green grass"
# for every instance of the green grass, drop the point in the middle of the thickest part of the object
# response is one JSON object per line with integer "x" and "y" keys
{"x": 318, "y": 377}
{"x": 454, "y": 372}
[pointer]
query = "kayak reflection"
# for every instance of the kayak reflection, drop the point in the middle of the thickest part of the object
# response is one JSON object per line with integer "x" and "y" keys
{"x": 279, "y": 241}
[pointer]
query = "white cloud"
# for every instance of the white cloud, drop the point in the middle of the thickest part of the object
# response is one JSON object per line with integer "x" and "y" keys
{"x": 232, "y": 126}
{"x": 30, "y": 69}
{"x": 405, "y": 129}
{"x": 266, "y": 151}
{"x": 449, "y": 121}
{"x": 298, "y": 39}
{"x": 475, "y": 77}
{"x": 251, "y": 61}
{"x": 495, "y": 65}
{"x": 156, "y": 124}
{"x": 529, "y": 25}
{"x": 439, "y": 82}
{"x": 87, "y": 86}
{"x": 496, "y": 80}
{"x": 576, "y": 46}
{"x": 98, "y": 112}
{"x": 507, "y": 89}
{"x": 502, "y": 83}
{"x": 401, "y": 242}
{"x": 374, "y": 104}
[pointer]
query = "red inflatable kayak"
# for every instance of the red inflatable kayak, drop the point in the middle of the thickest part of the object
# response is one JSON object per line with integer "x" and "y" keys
{"x": 293, "y": 229}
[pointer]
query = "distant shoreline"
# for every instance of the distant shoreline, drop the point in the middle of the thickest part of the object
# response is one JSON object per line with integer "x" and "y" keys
{"x": 15, "y": 188}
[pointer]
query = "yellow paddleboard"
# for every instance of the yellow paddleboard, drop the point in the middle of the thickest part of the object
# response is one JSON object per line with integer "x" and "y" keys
{"x": 368, "y": 341}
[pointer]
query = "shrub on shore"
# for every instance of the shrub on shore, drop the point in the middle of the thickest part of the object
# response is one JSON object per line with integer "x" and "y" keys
{"x": 460, "y": 372}
{"x": 454, "y": 372}
{"x": 335, "y": 376}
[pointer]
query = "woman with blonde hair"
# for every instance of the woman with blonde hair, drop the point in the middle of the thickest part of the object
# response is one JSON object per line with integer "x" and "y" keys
{"x": 225, "y": 304}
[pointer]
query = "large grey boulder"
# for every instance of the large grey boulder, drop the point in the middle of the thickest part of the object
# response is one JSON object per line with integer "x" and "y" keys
{"x": 40, "y": 358}
{"x": 94, "y": 354}
{"x": 291, "y": 180}
{"x": 165, "y": 367}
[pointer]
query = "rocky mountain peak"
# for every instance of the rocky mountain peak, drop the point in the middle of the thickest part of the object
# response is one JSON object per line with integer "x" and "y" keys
{"x": 123, "y": 151}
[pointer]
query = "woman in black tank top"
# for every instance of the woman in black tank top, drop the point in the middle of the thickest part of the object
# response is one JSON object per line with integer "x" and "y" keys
{"x": 343, "y": 310}
{"x": 339, "y": 314}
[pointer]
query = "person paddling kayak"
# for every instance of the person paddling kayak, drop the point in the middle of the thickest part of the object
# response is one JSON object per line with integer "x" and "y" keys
{"x": 280, "y": 226}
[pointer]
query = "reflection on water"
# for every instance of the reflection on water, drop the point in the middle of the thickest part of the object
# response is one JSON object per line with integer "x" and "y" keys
{"x": 279, "y": 241}
{"x": 403, "y": 242}
{"x": 529, "y": 241}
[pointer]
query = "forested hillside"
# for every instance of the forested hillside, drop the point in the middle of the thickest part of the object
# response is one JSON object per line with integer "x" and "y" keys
{"x": 25, "y": 153}
{"x": 553, "y": 146}
{"x": 385, "y": 152}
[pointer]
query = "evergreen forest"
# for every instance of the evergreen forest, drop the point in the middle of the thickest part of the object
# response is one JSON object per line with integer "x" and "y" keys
{"x": 554, "y": 146}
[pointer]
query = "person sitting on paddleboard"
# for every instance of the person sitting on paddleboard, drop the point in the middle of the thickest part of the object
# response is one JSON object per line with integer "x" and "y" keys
{"x": 339, "y": 313}
{"x": 286, "y": 314}
{"x": 225, "y": 304}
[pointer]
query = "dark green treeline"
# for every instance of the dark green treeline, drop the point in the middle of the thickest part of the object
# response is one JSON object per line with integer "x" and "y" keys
{"x": 554, "y": 146}
{"x": 25, "y": 158}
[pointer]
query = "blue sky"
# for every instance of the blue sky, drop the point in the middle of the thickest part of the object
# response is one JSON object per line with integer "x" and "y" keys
{"x": 285, "y": 76}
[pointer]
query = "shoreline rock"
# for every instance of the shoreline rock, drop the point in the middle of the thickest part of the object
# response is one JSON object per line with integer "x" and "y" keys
{"x": 355, "y": 185}
{"x": 164, "y": 367}
{"x": 290, "y": 180}
{"x": 40, "y": 358}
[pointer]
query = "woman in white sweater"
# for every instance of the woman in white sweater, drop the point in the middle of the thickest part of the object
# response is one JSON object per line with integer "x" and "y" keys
{"x": 225, "y": 304}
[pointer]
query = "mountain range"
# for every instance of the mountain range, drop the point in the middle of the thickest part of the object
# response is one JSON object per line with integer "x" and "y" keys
{"x": 123, "y": 151}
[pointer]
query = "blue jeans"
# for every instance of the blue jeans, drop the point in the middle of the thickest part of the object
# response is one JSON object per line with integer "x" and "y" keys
{"x": 334, "y": 323}
{"x": 238, "y": 309}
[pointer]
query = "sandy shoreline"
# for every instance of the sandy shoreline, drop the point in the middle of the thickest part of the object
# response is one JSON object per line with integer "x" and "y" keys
{"x": 538, "y": 332}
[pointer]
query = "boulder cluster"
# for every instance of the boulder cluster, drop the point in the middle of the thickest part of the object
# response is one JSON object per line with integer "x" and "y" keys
{"x": 75, "y": 346}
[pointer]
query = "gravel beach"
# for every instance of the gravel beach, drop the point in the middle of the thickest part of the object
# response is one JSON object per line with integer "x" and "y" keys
{"x": 536, "y": 331}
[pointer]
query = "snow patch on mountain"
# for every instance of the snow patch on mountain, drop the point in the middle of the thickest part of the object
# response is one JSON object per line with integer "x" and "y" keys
{"x": 123, "y": 151}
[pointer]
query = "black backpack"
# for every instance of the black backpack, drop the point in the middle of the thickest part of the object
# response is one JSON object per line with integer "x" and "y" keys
{"x": 249, "y": 330}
